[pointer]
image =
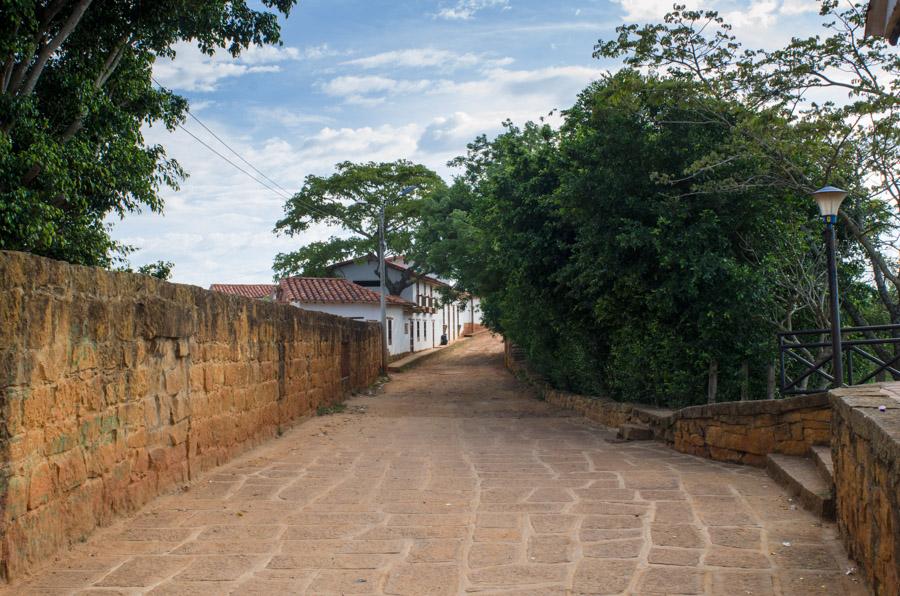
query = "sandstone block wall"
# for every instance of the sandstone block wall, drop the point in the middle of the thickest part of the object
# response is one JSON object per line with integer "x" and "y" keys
{"x": 116, "y": 387}
{"x": 742, "y": 432}
{"x": 746, "y": 431}
{"x": 866, "y": 454}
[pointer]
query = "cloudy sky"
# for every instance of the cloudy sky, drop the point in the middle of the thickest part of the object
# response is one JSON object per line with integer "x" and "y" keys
{"x": 376, "y": 80}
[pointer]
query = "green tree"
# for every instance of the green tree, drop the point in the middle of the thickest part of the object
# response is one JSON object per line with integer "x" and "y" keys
{"x": 75, "y": 90}
{"x": 600, "y": 250}
{"x": 352, "y": 198}
{"x": 160, "y": 269}
{"x": 852, "y": 141}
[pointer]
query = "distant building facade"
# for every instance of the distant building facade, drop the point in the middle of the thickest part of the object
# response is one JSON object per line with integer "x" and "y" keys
{"x": 433, "y": 316}
{"x": 416, "y": 319}
{"x": 336, "y": 296}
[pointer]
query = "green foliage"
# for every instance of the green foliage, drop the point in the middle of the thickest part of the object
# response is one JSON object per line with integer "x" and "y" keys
{"x": 160, "y": 269}
{"x": 799, "y": 144}
{"x": 666, "y": 227}
{"x": 614, "y": 271}
{"x": 352, "y": 198}
{"x": 75, "y": 91}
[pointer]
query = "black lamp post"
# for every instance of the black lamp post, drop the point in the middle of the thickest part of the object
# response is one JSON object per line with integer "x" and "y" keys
{"x": 829, "y": 200}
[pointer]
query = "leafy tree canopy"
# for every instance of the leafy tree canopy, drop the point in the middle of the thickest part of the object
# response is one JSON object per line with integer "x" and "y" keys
{"x": 800, "y": 143}
{"x": 75, "y": 90}
{"x": 666, "y": 230}
{"x": 159, "y": 269}
{"x": 352, "y": 198}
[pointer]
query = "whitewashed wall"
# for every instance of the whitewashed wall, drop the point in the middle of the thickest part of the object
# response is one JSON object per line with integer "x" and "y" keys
{"x": 368, "y": 312}
{"x": 447, "y": 319}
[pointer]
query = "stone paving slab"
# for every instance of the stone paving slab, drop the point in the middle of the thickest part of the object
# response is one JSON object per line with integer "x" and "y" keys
{"x": 456, "y": 481}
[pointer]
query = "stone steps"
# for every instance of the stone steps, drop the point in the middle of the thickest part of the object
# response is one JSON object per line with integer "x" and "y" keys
{"x": 802, "y": 478}
{"x": 821, "y": 456}
{"x": 635, "y": 432}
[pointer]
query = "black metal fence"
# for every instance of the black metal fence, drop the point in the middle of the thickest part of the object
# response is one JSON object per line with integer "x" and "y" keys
{"x": 870, "y": 354}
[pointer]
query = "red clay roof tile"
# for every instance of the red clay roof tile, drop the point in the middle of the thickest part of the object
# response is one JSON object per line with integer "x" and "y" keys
{"x": 330, "y": 290}
{"x": 245, "y": 290}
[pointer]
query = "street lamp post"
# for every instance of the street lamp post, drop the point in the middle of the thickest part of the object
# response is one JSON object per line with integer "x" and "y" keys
{"x": 382, "y": 248}
{"x": 829, "y": 200}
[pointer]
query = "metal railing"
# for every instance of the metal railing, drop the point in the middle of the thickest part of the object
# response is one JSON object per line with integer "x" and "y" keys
{"x": 805, "y": 357}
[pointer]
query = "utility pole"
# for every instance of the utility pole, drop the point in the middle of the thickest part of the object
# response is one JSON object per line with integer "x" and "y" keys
{"x": 382, "y": 249}
{"x": 381, "y": 299}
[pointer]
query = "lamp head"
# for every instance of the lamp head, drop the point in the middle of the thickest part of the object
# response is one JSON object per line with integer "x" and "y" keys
{"x": 829, "y": 199}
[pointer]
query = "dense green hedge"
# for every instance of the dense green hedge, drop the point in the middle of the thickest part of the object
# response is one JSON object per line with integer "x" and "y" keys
{"x": 600, "y": 251}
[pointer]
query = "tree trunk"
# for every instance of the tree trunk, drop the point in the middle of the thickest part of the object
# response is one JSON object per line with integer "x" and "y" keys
{"x": 770, "y": 381}
{"x": 713, "y": 385}
{"x": 745, "y": 381}
{"x": 46, "y": 51}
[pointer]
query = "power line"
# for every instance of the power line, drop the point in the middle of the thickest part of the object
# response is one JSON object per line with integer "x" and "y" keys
{"x": 283, "y": 193}
{"x": 234, "y": 165}
{"x": 239, "y": 156}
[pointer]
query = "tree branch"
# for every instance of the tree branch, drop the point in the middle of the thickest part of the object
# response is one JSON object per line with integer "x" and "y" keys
{"x": 109, "y": 67}
{"x": 48, "y": 49}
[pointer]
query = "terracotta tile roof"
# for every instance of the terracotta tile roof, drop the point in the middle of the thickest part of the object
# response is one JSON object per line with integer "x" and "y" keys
{"x": 330, "y": 290}
{"x": 245, "y": 290}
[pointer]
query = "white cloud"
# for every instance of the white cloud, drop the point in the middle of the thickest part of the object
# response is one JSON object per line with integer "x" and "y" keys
{"x": 510, "y": 83}
{"x": 264, "y": 55}
{"x": 797, "y": 7}
{"x": 192, "y": 70}
{"x": 321, "y": 51}
{"x": 218, "y": 227}
{"x": 465, "y": 109}
{"x": 381, "y": 143}
{"x": 464, "y": 10}
{"x": 371, "y": 90}
{"x": 755, "y": 21}
{"x": 740, "y": 12}
{"x": 287, "y": 117}
{"x": 426, "y": 57}
{"x": 759, "y": 13}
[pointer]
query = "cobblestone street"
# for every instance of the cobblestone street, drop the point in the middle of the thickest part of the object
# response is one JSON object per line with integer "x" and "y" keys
{"x": 456, "y": 480}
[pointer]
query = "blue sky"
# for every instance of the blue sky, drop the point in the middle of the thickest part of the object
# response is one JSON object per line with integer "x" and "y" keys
{"x": 376, "y": 80}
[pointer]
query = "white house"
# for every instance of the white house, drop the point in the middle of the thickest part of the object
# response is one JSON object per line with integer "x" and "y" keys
{"x": 432, "y": 317}
{"x": 416, "y": 319}
{"x": 336, "y": 296}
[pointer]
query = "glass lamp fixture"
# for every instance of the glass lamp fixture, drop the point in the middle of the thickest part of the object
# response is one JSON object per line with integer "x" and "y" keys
{"x": 829, "y": 199}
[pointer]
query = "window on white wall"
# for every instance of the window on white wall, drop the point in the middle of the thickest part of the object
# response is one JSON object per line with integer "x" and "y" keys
{"x": 390, "y": 330}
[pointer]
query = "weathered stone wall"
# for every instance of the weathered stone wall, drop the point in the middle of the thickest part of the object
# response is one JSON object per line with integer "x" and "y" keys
{"x": 743, "y": 432}
{"x": 608, "y": 412}
{"x": 747, "y": 431}
{"x": 116, "y": 387}
{"x": 866, "y": 454}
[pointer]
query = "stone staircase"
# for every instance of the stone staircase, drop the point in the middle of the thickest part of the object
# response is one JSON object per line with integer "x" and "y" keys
{"x": 634, "y": 432}
{"x": 810, "y": 479}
